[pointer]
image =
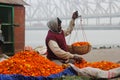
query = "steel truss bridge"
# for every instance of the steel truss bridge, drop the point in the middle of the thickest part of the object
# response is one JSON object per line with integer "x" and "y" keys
{"x": 94, "y": 13}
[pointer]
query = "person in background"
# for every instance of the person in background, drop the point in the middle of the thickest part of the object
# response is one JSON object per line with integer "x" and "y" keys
{"x": 57, "y": 50}
{"x": 1, "y": 38}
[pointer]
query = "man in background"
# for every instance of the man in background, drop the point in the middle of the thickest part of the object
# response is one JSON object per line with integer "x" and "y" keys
{"x": 1, "y": 38}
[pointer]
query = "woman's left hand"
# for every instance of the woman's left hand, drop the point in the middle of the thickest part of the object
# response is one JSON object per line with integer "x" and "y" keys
{"x": 78, "y": 59}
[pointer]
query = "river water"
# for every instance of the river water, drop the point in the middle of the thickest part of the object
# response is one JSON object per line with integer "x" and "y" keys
{"x": 97, "y": 38}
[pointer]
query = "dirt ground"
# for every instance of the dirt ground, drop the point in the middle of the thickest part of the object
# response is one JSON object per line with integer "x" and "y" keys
{"x": 112, "y": 54}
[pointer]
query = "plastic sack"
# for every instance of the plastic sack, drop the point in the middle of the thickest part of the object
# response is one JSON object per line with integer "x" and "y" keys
{"x": 95, "y": 72}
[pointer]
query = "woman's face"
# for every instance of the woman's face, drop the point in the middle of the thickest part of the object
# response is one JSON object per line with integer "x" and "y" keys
{"x": 59, "y": 27}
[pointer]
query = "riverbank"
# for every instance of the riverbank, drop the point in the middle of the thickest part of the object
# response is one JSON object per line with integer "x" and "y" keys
{"x": 110, "y": 54}
{"x": 107, "y": 54}
{"x": 96, "y": 54}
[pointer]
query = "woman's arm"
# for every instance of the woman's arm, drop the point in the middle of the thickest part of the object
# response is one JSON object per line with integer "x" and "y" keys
{"x": 58, "y": 51}
{"x": 71, "y": 24}
{"x": 70, "y": 28}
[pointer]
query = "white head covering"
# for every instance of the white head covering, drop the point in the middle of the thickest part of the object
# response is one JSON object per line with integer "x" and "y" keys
{"x": 53, "y": 25}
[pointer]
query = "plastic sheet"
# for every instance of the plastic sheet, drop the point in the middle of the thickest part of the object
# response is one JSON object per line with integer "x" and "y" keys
{"x": 67, "y": 72}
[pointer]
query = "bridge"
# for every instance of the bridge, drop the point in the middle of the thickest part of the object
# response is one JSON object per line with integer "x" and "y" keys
{"x": 95, "y": 14}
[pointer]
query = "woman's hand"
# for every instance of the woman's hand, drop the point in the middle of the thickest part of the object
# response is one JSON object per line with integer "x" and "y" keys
{"x": 78, "y": 59}
{"x": 75, "y": 15}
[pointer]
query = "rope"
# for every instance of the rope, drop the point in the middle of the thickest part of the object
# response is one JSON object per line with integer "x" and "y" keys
{"x": 69, "y": 38}
{"x": 76, "y": 35}
{"x": 82, "y": 29}
{"x": 76, "y": 32}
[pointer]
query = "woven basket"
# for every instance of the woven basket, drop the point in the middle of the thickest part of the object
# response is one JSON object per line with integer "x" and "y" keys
{"x": 81, "y": 49}
{"x": 70, "y": 49}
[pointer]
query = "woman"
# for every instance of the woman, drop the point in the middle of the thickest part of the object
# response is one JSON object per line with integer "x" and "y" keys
{"x": 55, "y": 41}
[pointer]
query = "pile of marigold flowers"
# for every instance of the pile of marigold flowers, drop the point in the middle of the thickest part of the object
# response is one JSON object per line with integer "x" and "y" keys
{"x": 29, "y": 63}
{"x": 104, "y": 65}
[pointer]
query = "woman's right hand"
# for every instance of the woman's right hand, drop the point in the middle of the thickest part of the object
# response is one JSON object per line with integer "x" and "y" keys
{"x": 78, "y": 59}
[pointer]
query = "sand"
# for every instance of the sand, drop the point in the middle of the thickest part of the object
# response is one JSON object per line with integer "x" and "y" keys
{"x": 112, "y": 54}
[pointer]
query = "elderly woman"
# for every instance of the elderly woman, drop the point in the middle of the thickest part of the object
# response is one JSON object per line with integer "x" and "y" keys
{"x": 57, "y": 50}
